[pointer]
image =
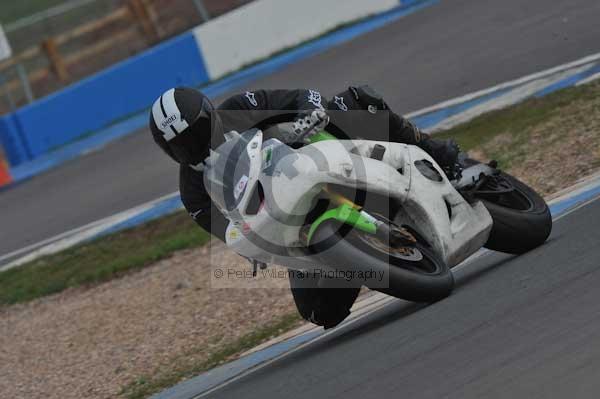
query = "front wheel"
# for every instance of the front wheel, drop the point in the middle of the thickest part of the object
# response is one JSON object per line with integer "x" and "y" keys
{"x": 413, "y": 273}
{"x": 522, "y": 219}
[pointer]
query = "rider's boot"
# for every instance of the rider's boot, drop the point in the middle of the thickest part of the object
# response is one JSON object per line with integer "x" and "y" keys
{"x": 444, "y": 152}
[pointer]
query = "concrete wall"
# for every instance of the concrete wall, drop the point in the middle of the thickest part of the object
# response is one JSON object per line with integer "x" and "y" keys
{"x": 264, "y": 27}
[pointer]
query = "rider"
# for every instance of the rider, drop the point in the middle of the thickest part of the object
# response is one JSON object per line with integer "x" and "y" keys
{"x": 185, "y": 124}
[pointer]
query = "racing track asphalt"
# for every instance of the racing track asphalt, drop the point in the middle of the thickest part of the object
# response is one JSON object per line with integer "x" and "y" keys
{"x": 515, "y": 327}
{"x": 443, "y": 51}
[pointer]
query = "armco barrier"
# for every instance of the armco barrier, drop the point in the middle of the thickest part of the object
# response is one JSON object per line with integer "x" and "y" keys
{"x": 100, "y": 100}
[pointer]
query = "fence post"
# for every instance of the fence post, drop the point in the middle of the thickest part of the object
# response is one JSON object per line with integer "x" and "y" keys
{"x": 160, "y": 31}
{"x": 58, "y": 65}
{"x": 141, "y": 12}
{"x": 6, "y": 90}
{"x": 199, "y": 4}
{"x": 25, "y": 82}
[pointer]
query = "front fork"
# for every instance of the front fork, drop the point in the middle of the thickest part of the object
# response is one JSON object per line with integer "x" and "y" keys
{"x": 348, "y": 212}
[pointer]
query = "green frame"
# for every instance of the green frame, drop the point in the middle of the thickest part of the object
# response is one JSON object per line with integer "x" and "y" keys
{"x": 345, "y": 214}
{"x": 321, "y": 136}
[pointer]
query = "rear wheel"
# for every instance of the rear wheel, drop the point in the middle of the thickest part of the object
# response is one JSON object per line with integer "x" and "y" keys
{"x": 522, "y": 219}
{"x": 413, "y": 272}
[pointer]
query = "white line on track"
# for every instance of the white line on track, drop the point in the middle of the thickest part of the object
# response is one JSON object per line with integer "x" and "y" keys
{"x": 576, "y": 208}
{"x": 69, "y": 238}
{"x": 589, "y": 80}
{"x": 507, "y": 99}
{"x": 580, "y": 62}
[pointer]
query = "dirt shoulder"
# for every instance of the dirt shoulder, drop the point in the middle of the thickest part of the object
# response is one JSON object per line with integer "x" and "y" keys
{"x": 92, "y": 342}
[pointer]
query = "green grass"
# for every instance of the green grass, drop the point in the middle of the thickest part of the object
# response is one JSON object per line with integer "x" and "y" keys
{"x": 145, "y": 386}
{"x": 101, "y": 260}
{"x": 517, "y": 121}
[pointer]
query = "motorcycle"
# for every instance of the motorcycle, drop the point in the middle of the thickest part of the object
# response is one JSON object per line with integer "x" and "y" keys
{"x": 360, "y": 209}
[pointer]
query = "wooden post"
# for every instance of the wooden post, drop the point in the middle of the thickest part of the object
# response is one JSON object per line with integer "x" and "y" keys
{"x": 160, "y": 31}
{"x": 51, "y": 49}
{"x": 140, "y": 10}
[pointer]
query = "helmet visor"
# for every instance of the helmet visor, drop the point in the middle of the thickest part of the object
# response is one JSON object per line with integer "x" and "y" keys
{"x": 192, "y": 146}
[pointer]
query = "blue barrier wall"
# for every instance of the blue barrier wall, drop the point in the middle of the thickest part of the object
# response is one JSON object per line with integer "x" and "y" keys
{"x": 100, "y": 100}
{"x": 11, "y": 140}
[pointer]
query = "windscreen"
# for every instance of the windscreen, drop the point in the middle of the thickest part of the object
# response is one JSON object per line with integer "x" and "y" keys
{"x": 227, "y": 171}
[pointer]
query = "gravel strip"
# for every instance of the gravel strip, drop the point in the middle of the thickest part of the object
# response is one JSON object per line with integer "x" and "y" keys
{"x": 90, "y": 342}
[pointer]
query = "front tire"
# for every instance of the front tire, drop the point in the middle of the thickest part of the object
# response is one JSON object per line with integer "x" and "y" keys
{"x": 427, "y": 279}
{"x": 522, "y": 219}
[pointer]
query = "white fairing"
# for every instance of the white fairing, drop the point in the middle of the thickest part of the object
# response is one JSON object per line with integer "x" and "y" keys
{"x": 292, "y": 180}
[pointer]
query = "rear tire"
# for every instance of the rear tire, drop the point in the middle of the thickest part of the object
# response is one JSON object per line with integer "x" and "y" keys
{"x": 425, "y": 280}
{"x": 518, "y": 229}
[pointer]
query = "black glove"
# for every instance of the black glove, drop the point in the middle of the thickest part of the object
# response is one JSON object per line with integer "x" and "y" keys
{"x": 444, "y": 152}
{"x": 308, "y": 124}
{"x": 449, "y": 153}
